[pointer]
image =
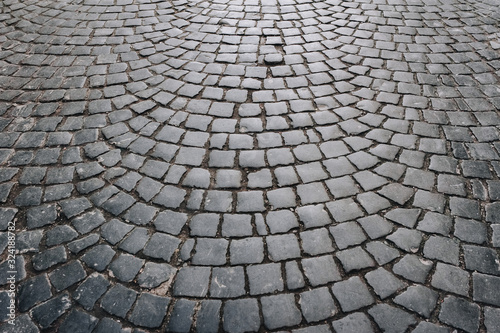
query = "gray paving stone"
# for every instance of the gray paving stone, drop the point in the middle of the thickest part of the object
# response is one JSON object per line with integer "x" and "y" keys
{"x": 192, "y": 281}
{"x": 149, "y": 310}
{"x": 280, "y": 311}
{"x": 241, "y": 315}
{"x": 413, "y": 268}
{"x": 405, "y": 217}
{"x": 246, "y": 251}
{"x": 23, "y": 323}
{"x": 316, "y": 241}
{"x": 429, "y": 327}
{"x": 321, "y": 270}
{"x": 347, "y": 234}
{"x": 118, "y": 300}
{"x": 98, "y": 257}
{"x": 114, "y": 231}
{"x": 46, "y": 313}
{"x": 436, "y": 223}
{"x": 355, "y": 322}
{"x": 419, "y": 299}
{"x": 491, "y": 318}
{"x": 406, "y": 239}
{"x": 207, "y": 319}
{"x": 155, "y": 274}
{"x": 236, "y": 225}
{"x": 90, "y": 290}
{"x": 481, "y": 259}
{"x": 161, "y": 246}
{"x": 281, "y": 221}
{"x": 227, "y": 282}
{"x": 354, "y": 259}
{"x": 265, "y": 279}
{"x": 459, "y": 313}
{"x": 181, "y": 318}
{"x": 352, "y": 294}
{"x": 317, "y": 304}
{"x": 485, "y": 288}
{"x": 126, "y": 267}
{"x": 282, "y": 247}
{"x": 383, "y": 282}
{"x": 78, "y": 321}
{"x": 210, "y": 252}
{"x": 67, "y": 275}
{"x": 33, "y": 291}
{"x": 451, "y": 279}
{"x": 135, "y": 241}
{"x": 391, "y": 319}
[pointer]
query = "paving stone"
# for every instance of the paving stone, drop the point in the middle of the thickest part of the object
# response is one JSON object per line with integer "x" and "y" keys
{"x": 317, "y": 304}
{"x": 320, "y": 270}
{"x": 429, "y": 327}
{"x": 67, "y": 275}
{"x": 170, "y": 222}
{"x": 207, "y": 319}
{"x": 280, "y": 311}
{"x": 406, "y": 239}
{"x": 149, "y": 310}
{"x": 81, "y": 244}
{"x": 248, "y": 250}
{"x": 383, "y": 282}
{"x": 405, "y": 217}
{"x": 114, "y": 231}
{"x": 344, "y": 210}
{"x": 491, "y": 318}
{"x": 33, "y": 291}
{"x": 90, "y": 290}
{"x": 46, "y": 313}
{"x": 49, "y": 258}
{"x": 419, "y": 299}
{"x": 98, "y": 257}
{"x": 182, "y": 316}
{"x": 236, "y": 225}
{"x": 485, "y": 288}
{"x": 451, "y": 279}
{"x": 192, "y": 281}
{"x": 264, "y": 279}
{"x": 481, "y": 259}
{"x": 316, "y": 241}
{"x": 356, "y": 322}
{"x": 391, "y": 319}
{"x": 227, "y": 282}
{"x": 161, "y": 246}
{"x": 241, "y": 315}
{"x": 135, "y": 241}
{"x": 436, "y": 223}
{"x": 413, "y": 268}
{"x": 352, "y": 294}
{"x": 108, "y": 325}
{"x": 459, "y": 313}
{"x": 355, "y": 259}
{"x": 78, "y": 321}
{"x": 210, "y": 252}
{"x": 21, "y": 323}
{"x": 155, "y": 274}
{"x": 282, "y": 247}
{"x": 281, "y": 221}
{"x": 118, "y": 300}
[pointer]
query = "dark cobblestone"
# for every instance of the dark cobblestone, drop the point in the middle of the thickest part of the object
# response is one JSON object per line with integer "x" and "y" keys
{"x": 255, "y": 155}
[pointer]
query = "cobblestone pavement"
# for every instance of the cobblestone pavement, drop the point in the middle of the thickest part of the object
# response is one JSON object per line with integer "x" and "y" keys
{"x": 251, "y": 166}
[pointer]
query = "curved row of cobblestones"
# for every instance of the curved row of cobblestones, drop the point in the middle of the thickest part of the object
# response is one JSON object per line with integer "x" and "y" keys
{"x": 239, "y": 166}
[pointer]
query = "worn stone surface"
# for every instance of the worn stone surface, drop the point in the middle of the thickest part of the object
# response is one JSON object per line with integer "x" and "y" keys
{"x": 250, "y": 166}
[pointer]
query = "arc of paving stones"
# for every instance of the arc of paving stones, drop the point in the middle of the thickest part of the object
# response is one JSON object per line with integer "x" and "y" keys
{"x": 246, "y": 166}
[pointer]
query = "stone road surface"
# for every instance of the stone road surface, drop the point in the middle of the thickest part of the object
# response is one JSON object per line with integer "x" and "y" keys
{"x": 250, "y": 166}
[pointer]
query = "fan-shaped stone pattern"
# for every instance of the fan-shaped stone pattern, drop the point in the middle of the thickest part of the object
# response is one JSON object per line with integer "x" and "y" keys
{"x": 236, "y": 166}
